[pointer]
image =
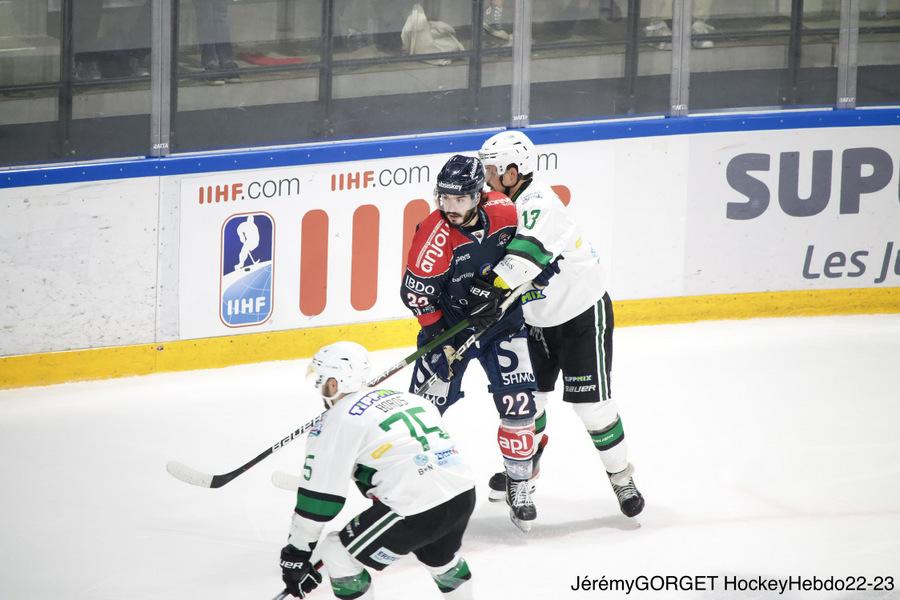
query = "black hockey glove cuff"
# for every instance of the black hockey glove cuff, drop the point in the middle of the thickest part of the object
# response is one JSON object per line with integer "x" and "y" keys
{"x": 297, "y": 572}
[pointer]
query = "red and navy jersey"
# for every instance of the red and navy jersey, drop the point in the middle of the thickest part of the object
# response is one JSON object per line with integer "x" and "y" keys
{"x": 443, "y": 260}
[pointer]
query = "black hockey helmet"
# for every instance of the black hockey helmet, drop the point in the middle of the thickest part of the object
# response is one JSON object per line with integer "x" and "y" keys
{"x": 458, "y": 190}
{"x": 461, "y": 175}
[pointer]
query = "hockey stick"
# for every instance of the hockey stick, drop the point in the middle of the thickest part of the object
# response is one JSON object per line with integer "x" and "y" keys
{"x": 420, "y": 352}
{"x": 457, "y": 354}
{"x": 199, "y": 478}
{"x": 194, "y": 477}
{"x": 290, "y": 482}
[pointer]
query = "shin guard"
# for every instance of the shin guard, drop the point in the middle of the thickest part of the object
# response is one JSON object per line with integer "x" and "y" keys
{"x": 516, "y": 442}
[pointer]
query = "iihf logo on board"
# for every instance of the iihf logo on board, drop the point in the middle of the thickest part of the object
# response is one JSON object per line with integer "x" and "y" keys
{"x": 246, "y": 273}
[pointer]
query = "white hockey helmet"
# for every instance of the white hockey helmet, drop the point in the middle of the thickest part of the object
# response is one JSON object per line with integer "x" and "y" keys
{"x": 346, "y": 362}
{"x": 509, "y": 148}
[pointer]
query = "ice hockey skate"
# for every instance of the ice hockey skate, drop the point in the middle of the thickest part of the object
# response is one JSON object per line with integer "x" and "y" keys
{"x": 631, "y": 502}
{"x": 497, "y": 482}
{"x": 521, "y": 508}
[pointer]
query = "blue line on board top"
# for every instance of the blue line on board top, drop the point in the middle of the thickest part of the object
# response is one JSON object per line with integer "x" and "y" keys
{"x": 438, "y": 144}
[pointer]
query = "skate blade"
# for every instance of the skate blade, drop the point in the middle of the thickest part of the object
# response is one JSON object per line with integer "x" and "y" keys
{"x": 524, "y": 526}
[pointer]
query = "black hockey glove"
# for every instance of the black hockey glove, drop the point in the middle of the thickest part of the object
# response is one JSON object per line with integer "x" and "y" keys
{"x": 298, "y": 574}
{"x": 484, "y": 300}
{"x": 543, "y": 278}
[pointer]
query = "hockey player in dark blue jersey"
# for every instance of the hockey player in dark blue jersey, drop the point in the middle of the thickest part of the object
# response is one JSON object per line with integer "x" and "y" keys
{"x": 452, "y": 253}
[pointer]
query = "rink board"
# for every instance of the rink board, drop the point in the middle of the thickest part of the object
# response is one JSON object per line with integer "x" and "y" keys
{"x": 144, "y": 359}
{"x": 693, "y": 218}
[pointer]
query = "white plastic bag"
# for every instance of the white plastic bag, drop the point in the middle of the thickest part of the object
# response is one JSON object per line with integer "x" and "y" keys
{"x": 421, "y": 36}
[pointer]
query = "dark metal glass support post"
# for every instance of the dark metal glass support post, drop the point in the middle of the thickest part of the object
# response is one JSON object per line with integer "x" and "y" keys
{"x": 795, "y": 50}
{"x": 475, "y": 62}
{"x": 631, "y": 54}
{"x": 66, "y": 67}
{"x": 160, "y": 77}
{"x": 682, "y": 17}
{"x": 326, "y": 70}
{"x": 173, "y": 70}
{"x": 848, "y": 50}
{"x": 520, "y": 95}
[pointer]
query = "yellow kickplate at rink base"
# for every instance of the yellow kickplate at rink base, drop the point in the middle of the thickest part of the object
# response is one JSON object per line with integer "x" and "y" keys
{"x": 210, "y": 353}
{"x": 207, "y": 353}
{"x": 804, "y": 303}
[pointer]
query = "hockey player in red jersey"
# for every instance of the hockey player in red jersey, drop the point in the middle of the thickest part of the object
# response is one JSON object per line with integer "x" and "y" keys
{"x": 458, "y": 243}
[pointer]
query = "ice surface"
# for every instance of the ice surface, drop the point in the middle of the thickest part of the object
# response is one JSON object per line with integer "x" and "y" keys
{"x": 763, "y": 448}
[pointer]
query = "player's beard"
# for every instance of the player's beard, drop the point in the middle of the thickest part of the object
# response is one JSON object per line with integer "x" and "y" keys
{"x": 455, "y": 219}
{"x": 464, "y": 220}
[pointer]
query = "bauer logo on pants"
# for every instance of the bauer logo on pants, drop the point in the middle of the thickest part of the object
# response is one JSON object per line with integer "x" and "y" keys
{"x": 245, "y": 296}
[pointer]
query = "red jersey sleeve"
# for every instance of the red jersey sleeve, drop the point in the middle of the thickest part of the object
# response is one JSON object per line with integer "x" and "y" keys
{"x": 427, "y": 265}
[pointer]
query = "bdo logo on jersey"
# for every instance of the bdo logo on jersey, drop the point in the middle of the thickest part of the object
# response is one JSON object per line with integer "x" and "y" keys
{"x": 246, "y": 271}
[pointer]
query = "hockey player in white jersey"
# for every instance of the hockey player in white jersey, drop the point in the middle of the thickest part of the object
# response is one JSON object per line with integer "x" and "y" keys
{"x": 392, "y": 444}
{"x": 570, "y": 316}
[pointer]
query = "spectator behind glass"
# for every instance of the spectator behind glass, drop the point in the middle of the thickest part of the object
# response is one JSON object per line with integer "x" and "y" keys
{"x": 214, "y": 36}
{"x": 125, "y": 53}
{"x": 86, "y": 39}
{"x": 137, "y": 43}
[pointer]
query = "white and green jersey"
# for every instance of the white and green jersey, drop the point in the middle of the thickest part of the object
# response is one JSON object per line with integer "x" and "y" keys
{"x": 391, "y": 444}
{"x": 545, "y": 231}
